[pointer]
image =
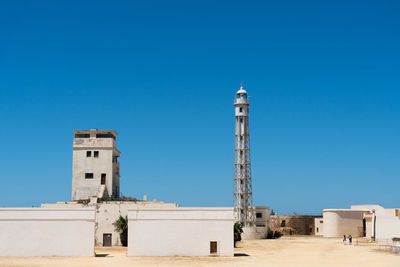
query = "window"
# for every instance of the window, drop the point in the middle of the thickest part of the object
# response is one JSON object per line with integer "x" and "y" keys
{"x": 310, "y": 230}
{"x": 240, "y": 109}
{"x": 82, "y": 135}
{"x": 317, "y": 230}
{"x": 103, "y": 178}
{"x": 89, "y": 175}
{"x": 258, "y": 215}
{"x": 105, "y": 136}
{"x": 241, "y": 120}
{"x": 283, "y": 223}
{"x": 88, "y": 154}
{"x": 321, "y": 221}
{"x": 96, "y": 154}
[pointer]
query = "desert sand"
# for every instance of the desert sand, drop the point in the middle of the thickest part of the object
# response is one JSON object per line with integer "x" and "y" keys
{"x": 287, "y": 251}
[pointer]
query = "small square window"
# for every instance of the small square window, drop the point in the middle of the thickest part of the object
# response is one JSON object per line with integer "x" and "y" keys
{"x": 259, "y": 215}
{"x": 88, "y": 154}
{"x": 96, "y": 154}
{"x": 89, "y": 175}
{"x": 240, "y": 109}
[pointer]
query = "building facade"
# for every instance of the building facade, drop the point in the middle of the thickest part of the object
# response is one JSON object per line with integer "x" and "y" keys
{"x": 369, "y": 221}
{"x": 95, "y": 170}
{"x": 180, "y": 231}
{"x": 293, "y": 224}
{"x": 107, "y": 212}
{"x": 47, "y": 232}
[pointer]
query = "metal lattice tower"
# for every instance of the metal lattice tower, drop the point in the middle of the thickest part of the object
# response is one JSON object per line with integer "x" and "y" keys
{"x": 242, "y": 189}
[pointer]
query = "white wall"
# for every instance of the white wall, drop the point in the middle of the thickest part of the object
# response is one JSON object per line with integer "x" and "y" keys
{"x": 107, "y": 213}
{"x": 319, "y": 226}
{"x": 180, "y": 231}
{"x": 387, "y": 226}
{"x": 46, "y": 232}
{"x": 343, "y": 222}
{"x": 252, "y": 233}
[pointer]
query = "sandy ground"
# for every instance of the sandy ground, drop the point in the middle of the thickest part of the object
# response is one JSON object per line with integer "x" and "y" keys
{"x": 291, "y": 251}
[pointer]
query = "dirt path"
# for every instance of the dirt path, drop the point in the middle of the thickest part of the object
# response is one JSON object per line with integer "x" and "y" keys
{"x": 296, "y": 251}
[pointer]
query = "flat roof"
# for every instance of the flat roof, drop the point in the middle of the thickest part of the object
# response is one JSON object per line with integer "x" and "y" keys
{"x": 96, "y": 131}
{"x": 346, "y": 210}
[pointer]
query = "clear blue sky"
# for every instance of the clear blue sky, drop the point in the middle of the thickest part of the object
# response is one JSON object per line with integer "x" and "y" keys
{"x": 323, "y": 76}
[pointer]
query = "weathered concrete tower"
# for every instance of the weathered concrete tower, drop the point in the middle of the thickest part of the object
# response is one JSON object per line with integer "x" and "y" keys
{"x": 242, "y": 194}
{"x": 95, "y": 170}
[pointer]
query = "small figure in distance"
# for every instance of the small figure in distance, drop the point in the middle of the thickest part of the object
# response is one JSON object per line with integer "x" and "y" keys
{"x": 344, "y": 239}
{"x": 350, "y": 239}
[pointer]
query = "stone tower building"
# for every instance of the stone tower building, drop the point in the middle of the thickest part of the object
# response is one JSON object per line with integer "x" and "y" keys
{"x": 95, "y": 171}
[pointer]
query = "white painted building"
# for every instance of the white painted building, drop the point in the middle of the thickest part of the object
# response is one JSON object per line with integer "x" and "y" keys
{"x": 107, "y": 212}
{"x": 95, "y": 171}
{"x": 370, "y": 221}
{"x": 319, "y": 226}
{"x": 262, "y": 224}
{"x": 180, "y": 232}
{"x": 47, "y": 232}
{"x": 339, "y": 222}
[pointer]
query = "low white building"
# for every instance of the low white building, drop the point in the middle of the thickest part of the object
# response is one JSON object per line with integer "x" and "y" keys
{"x": 319, "y": 226}
{"x": 262, "y": 220}
{"x": 370, "y": 221}
{"x": 107, "y": 212}
{"x": 180, "y": 232}
{"x": 46, "y": 232}
{"x": 340, "y": 222}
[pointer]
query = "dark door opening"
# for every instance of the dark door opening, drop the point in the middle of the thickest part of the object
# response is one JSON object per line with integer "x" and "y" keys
{"x": 103, "y": 178}
{"x": 107, "y": 240}
{"x": 364, "y": 228}
{"x": 213, "y": 247}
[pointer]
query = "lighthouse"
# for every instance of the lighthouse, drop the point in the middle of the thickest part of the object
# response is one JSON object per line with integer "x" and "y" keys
{"x": 242, "y": 188}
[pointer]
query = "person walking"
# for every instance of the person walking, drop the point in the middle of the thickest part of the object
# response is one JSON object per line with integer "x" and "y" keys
{"x": 350, "y": 239}
{"x": 344, "y": 239}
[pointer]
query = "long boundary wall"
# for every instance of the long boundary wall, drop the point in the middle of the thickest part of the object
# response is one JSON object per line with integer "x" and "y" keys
{"x": 47, "y": 232}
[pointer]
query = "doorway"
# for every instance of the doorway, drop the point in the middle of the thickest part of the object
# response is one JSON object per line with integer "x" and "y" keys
{"x": 107, "y": 240}
{"x": 103, "y": 178}
{"x": 213, "y": 247}
{"x": 364, "y": 228}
